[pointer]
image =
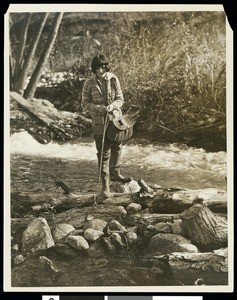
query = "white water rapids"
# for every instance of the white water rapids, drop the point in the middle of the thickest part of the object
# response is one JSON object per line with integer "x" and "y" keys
{"x": 169, "y": 156}
{"x": 169, "y": 164}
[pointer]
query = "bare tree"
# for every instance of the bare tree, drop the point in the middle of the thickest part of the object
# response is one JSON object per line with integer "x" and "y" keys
{"x": 21, "y": 48}
{"x": 20, "y": 80}
{"x": 31, "y": 87}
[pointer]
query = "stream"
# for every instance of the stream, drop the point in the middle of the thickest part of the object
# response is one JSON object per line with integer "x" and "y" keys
{"x": 34, "y": 167}
{"x": 169, "y": 165}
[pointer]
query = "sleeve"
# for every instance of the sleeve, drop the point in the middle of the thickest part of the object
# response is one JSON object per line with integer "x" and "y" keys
{"x": 87, "y": 103}
{"x": 118, "y": 99}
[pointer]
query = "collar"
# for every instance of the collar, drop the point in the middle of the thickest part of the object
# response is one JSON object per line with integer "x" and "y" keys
{"x": 108, "y": 76}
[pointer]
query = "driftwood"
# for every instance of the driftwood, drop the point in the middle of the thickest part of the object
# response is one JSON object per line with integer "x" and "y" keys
{"x": 201, "y": 268}
{"x": 58, "y": 125}
{"x": 67, "y": 189}
{"x": 30, "y": 108}
{"x": 45, "y": 112}
{"x": 162, "y": 201}
{"x": 206, "y": 230}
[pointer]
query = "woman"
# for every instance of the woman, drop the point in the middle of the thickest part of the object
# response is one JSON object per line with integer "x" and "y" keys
{"x": 101, "y": 96}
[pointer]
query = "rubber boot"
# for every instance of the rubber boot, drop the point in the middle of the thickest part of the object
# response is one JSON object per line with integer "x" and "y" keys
{"x": 104, "y": 175}
{"x": 114, "y": 170}
{"x": 105, "y": 192}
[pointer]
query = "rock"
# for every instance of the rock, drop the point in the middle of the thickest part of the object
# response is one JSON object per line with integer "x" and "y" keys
{"x": 176, "y": 196}
{"x": 121, "y": 210}
{"x": 48, "y": 269}
{"x": 117, "y": 240}
{"x": 90, "y": 217}
{"x": 131, "y": 187}
{"x": 19, "y": 259}
{"x": 44, "y": 261}
{"x": 132, "y": 229}
{"x": 156, "y": 186}
{"x": 164, "y": 227}
{"x": 37, "y": 237}
{"x": 165, "y": 243}
{"x": 133, "y": 208}
{"x": 78, "y": 242}
{"x": 187, "y": 247}
{"x": 114, "y": 225}
{"x": 92, "y": 234}
{"x": 15, "y": 248}
{"x": 131, "y": 237}
{"x": 150, "y": 227}
{"x": 96, "y": 224}
{"x": 61, "y": 231}
{"x": 36, "y": 207}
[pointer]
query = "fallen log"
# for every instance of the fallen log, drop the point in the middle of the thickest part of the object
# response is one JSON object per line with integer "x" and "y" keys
{"x": 206, "y": 230}
{"x": 31, "y": 109}
{"x": 162, "y": 202}
{"x": 45, "y": 112}
{"x": 203, "y": 268}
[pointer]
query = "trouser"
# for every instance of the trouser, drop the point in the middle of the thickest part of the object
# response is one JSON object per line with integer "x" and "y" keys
{"x": 110, "y": 157}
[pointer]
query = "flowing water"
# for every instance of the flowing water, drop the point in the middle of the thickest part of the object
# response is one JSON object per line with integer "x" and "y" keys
{"x": 168, "y": 165}
{"x": 35, "y": 166}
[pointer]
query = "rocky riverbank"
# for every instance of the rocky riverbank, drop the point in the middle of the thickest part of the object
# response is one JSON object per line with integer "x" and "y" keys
{"x": 114, "y": 240}
{"x": 142, "y": 236}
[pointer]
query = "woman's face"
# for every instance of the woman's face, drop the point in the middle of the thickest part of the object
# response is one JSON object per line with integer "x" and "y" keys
{"x": 100, "y": 71}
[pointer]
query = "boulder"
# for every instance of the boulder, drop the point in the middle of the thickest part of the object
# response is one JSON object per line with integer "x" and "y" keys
{"x": 61, "y": 231}
{"x": 165, "y": 243}
{"x": 114, "y": 225}
{"x": 164, "y": 227}
{"x": 37, "y": 237}
{"x": 131, "y": 237}
{"x": 96, "y": 224}
{"x": 78, "y": 242}
{"x": 92, "y": 235}
{"x": 133, "y": 208}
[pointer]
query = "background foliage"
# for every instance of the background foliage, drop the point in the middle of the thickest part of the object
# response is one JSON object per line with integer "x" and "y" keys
{"x": 170, "y": 64}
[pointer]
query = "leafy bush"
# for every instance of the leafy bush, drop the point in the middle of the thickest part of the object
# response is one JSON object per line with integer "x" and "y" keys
{"x": 171, "y": 64}
{"x": 174, "y": 67}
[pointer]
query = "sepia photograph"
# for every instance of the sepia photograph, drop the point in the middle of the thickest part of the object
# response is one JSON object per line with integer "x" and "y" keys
{"x": 118, "y": 148}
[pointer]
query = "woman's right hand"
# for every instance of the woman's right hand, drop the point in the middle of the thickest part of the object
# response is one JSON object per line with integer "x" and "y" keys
{"x": 102, "y": 109}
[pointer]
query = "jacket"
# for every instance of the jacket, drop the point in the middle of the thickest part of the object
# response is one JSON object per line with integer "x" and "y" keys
{"x": 93, "y": 100}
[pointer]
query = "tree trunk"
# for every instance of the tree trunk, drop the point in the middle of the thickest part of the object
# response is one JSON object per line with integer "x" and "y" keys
{"x": 20, "y": 82}
{"x": 30, "y": 90}
{"x": 206, "y": 230}
{"x": 22, "y": 45}
{"x": 201, "y": 268}
{"x": 65, "y": 202}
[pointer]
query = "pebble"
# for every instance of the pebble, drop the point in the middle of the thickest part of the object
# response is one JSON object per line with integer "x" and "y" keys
{"x": 19, "y": 259}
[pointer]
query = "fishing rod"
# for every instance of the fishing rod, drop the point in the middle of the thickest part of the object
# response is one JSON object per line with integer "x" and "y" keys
{"x": 102, "y": 145}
